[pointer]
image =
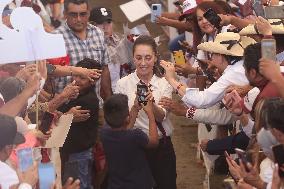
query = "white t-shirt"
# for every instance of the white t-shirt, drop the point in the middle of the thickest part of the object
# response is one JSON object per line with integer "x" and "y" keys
{"x": 160, "y": 88}
{"x": 8, "y": 177}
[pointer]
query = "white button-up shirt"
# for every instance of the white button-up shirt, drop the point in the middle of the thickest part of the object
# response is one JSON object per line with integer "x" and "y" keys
{"x": 233, "y": 75}
{"x": 160, "y": 88}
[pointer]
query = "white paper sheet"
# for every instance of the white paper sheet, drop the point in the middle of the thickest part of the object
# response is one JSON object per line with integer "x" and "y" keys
{"x": 59, "y": 133}
{"x": 27, "y": 41}
{"x": 136, "y": 9}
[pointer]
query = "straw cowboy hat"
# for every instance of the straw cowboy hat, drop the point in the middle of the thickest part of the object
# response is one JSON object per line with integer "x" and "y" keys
{"x": 228, "y": 43}
{"x": 276, "y": 25}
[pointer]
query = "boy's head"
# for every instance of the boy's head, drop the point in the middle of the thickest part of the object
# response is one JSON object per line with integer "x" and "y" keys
{"x": 84, "y": 82}
{"x": 116, "y": 111}
{"x": 252, "y": 55}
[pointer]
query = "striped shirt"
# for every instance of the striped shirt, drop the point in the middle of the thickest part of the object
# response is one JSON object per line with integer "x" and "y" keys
{"x": 93, "y": 47}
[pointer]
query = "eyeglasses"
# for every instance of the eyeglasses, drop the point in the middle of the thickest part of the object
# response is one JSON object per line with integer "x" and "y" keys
{"x": 76, "y": 14}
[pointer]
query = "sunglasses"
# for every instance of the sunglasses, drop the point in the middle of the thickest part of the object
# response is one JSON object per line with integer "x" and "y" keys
{"x": 76, "y": 14}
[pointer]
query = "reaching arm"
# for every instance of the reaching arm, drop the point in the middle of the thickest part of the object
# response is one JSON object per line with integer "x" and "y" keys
{"x": 17, "y": 104}
{"x": 106, "y": 91}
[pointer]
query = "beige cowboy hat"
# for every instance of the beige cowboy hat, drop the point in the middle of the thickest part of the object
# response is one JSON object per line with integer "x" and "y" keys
{"x": 276, "y": 25}
{"x": 228, "y": 43}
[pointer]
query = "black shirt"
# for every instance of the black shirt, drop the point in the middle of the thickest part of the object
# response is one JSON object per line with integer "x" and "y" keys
{"x": 82, "y": 135}
{"x": 125, "y": 154}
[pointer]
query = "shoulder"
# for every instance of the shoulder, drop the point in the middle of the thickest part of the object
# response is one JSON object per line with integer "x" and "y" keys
{"x": 161, "y": 82}
{"x": 126, "y": 79}
{"x": 63, "y": 29}
{"x": 96, "y": 31}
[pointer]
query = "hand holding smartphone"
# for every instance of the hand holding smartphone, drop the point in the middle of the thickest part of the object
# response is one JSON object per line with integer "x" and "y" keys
{"x": 179, "y": 57}
{"x": 156, "y": 11}
{"x": 142, "y": 90}
{"x": 213, "y": 18}
{"x": 243, "y": 157}
{"x": 25, "y": 156}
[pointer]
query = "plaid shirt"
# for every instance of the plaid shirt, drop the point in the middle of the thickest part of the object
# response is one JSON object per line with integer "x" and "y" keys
{"x": 93, "y": 47}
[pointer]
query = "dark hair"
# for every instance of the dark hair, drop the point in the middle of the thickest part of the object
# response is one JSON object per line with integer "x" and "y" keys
{"x": 116, "y": 110}
{"x": 89, "y": 64}
{"x": 149, "y": 41}
{"x": 204, "y": 6}
{"x": 279, "y": 38}
{"x": 274, "y": 114}
{"x": 77, "y": 2}
{"x": 11, "y": 87}
{"x": 252, "y": 55}
{"x": 232, "y": 59}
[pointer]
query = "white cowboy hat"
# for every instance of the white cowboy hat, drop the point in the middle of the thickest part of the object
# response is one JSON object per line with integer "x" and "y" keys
{"x": 276, "y": 25}
{"x": 228, "y": 43}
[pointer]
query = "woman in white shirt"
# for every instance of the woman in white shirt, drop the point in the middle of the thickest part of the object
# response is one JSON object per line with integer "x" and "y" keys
{"x": 162, "y": 160}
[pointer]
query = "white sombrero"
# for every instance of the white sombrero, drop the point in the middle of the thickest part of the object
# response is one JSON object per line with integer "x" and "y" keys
{"x": 276, "y": 25}
{"x": 228, "y": 43}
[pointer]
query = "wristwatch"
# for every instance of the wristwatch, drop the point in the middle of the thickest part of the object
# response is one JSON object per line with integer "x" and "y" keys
{"x": 25, "y": 186}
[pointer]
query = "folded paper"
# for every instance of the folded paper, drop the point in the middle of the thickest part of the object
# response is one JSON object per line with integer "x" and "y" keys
{"x": 27, "y": 41}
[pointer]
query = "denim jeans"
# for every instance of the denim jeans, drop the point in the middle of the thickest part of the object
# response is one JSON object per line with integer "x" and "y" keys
{"x": 84, "y": 161}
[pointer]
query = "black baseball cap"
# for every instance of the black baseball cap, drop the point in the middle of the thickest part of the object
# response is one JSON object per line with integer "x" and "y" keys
{"x": 100, "y": 15}
{"x": 8, "y": 132}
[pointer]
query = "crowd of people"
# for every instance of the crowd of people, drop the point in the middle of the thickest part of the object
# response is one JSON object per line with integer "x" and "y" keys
{"x": 121, "y": 93}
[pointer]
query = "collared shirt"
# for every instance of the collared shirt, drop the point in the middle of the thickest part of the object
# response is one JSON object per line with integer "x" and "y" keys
{"x": 160, "y": 88}
{"x": 8, "y": 176}
{"x": 233, "y": 75}
{"x": 93, "y": 47}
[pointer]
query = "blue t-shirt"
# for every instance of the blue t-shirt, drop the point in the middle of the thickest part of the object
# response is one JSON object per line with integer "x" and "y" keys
{"x": 125, "y": 154}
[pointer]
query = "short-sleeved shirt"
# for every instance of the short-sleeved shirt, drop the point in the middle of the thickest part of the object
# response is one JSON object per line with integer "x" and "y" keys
{"x": 128, "y": 167}
{"x": 93, "y": 47}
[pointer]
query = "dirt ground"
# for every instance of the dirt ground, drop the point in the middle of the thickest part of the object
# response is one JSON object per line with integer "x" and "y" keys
{"x": 190, "y": 174}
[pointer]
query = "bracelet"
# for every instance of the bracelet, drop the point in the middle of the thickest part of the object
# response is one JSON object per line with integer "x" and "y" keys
{"x": 190, "y": 113}
{"x": 178, "y": 87}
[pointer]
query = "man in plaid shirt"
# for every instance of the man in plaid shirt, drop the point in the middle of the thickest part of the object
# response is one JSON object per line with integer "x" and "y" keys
{"x": 84, "y": 41}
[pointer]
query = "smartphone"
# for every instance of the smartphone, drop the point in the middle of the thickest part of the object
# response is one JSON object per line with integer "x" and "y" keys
{"x": 268, "y": 49}
{"x": 258, "y": 8}
{"x": 243, "y": 157}
{"x": 46, "y": 122}
{"x": 70, "y": 170}
{"x": 25, "y": 157}
{"x": 274, "y": 12}
{"x": 179, "y": 57}
{"x": 46, "y": 174}
{"x": 142, "y": 90}
{"x": 213, "y": 18}
{"x": 156, "y": 10}
{"x": 278, "y": 152}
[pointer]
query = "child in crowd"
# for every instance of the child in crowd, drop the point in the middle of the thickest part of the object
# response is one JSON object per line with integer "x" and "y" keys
{"x": 124, "y": 146}
{"x": 76, "y": 153}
